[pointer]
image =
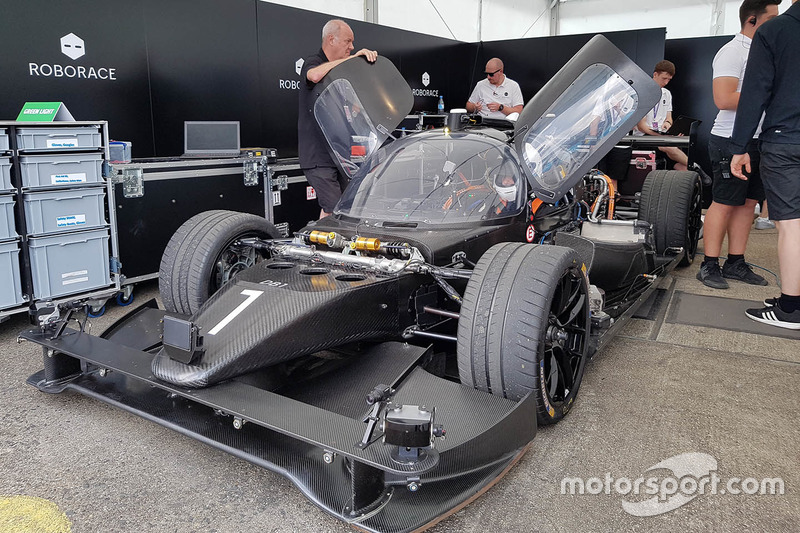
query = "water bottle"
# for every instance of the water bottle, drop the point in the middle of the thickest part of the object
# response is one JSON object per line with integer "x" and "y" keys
{"x": 440, "y": 107}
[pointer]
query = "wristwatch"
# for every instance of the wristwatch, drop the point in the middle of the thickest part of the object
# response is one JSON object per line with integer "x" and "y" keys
{"x": 501, "y": 107}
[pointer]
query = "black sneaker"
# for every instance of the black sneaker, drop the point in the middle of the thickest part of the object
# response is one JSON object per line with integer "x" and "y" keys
{"x": 741, "y": 271}
{"x": 711, "y": 276}
{"x": 771, "y": 302}
{"x": 775, "y": 316}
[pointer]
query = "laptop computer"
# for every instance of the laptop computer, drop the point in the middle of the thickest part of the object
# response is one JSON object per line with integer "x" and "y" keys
{"x": 211, "y": 139}
{"x": 681, "y": 125}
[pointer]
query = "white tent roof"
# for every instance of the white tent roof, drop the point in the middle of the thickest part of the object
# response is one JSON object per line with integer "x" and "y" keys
{"x": 490, "y": 20}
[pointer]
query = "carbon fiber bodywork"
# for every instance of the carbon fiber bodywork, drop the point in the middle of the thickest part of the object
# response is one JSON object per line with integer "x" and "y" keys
{"x": 280, "y": 299}
{"x": 308, "y": 430}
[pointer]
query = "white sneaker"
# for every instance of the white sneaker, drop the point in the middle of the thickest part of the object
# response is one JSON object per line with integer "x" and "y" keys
{"x": 764, "y": 223}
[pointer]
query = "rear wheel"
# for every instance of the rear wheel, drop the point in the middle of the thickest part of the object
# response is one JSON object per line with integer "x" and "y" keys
{"x": 203, "y": 255}
{"x": 525, "y": 326}
{"x": 672, "y": 203}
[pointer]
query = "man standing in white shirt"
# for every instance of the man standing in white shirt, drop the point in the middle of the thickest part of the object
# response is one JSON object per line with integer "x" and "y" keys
{"x": 497, "y": 95}
{"x": 733, "y": 200}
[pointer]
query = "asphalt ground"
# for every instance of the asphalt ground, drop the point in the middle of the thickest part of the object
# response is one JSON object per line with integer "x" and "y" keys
{"x": 662, "y": 395}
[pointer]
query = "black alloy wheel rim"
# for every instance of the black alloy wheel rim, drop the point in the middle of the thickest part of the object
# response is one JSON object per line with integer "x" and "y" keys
{"x": 566, "y": 337}
{"x": 232, "y": 260}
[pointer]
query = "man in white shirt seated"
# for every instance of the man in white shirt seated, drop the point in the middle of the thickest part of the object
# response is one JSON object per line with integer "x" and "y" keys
{"x": 497, "y": 95}
{"x": 659, "y": 119}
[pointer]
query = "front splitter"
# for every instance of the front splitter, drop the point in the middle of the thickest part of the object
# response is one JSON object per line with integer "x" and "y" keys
{"x": 328, "y": 485}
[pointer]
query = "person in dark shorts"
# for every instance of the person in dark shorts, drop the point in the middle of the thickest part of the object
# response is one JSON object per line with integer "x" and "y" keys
{"x": 770, "y": 85}
{"x": 315, "y": 161}
{"x": 733, "y": 200}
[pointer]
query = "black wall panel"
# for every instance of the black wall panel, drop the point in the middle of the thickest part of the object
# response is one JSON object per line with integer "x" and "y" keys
{"x": 532, "y": 62}
{"x": 113, "y": 35}
{"x": 203, "y": 66}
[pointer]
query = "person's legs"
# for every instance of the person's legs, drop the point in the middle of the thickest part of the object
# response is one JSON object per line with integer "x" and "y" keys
{"x": 789, "y": 255}
{"x": 762, "y": 220}
{"x": 715, "y": 224}
{"x": 739, "y": 222}
{"x": 677, "y": 155}
{"x": 327, "y": 185}
{"x": 780, "y": 169}
{"x": 745, "y": 195}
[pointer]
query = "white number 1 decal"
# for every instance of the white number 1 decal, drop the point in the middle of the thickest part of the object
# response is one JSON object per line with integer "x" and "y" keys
{"x": 251, "y": 297}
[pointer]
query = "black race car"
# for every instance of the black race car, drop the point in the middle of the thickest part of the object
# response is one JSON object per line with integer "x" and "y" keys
{"x": 394, "y": 359}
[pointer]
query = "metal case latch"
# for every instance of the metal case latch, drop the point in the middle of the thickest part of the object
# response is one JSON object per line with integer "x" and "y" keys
{"x": 251, "y": 169}
{"x": 281, "y": 182}
{"x": 132, "y": 182}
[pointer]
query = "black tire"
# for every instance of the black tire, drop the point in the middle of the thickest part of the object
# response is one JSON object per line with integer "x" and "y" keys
{"x": 525, "y": 326}
{"x": 194, "y": 264}
{"x": 672, "y": 203}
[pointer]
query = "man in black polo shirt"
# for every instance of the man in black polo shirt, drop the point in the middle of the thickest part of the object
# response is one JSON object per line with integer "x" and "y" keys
{"x": 318, "y": 167}
{"x": 772, "y": 84}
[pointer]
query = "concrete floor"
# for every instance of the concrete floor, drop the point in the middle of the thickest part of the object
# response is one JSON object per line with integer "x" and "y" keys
{"x": 658, "y": 390}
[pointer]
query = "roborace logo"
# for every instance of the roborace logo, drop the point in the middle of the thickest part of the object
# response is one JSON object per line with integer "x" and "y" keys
{"x": 426, "y": 80}
{"x": 292, "y": 85}
{"x": 73, "y": 47}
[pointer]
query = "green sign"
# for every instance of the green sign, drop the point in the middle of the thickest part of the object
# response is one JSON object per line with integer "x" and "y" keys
{"x": 44, "y": 112}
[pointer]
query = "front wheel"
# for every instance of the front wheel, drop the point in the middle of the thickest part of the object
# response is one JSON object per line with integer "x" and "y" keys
{"x": 525, "y": 326}
{"x": 203, "y": 255}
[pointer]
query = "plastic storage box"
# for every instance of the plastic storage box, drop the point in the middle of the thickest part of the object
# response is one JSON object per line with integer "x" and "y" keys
{"x": 10, "y": 289}
{"x": 58, "y": 138}
{"x": 69, "y": 263}
{"x": 64, "y": 210}
{"x": 7, "y": 230}
{"x": 61, "y": 170}
{"x": 119, "y": 152}
{"x": 5, "y": 174}
{"x": 3, "y": 140}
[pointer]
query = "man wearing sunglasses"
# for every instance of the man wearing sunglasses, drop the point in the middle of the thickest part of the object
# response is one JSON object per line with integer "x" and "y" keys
{"x": 497, "y": 95}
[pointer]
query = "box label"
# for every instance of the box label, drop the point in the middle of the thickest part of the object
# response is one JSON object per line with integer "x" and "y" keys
{"x": 276, "y": 197}
{"x": 75, "y": 280}
{"x": 70, "y": 220}
{"x": 74, "y": 177}
{"x": 311, "y": 194}
{"x": 78, "y": 276}
{"x": 66, "y": 142}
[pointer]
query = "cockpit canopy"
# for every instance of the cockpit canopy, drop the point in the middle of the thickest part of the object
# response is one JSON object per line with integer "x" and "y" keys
{"x": 438, "y": 178}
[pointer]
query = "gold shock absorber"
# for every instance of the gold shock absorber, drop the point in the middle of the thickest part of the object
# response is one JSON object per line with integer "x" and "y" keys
{"x": 318, "y": 237}
{"x": 365, "y": 244}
